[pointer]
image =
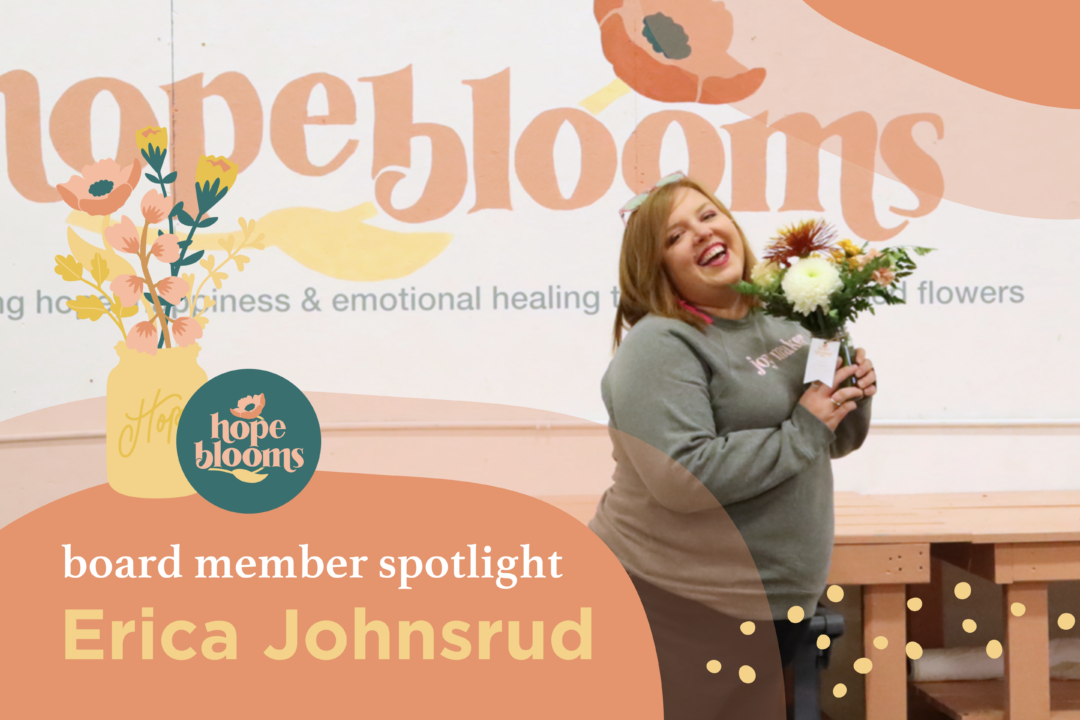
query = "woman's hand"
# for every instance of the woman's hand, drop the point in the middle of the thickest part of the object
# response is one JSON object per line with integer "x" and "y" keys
{"x": 864, "y": 373}
{"x": 831, "y": 407}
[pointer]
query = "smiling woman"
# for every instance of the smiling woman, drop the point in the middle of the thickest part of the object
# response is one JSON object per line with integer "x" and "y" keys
{"x": 685, "y": 382}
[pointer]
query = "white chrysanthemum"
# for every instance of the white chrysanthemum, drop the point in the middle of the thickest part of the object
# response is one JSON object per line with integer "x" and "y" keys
{"x": 809, "y": 283}
{"x": 766, "y": 275}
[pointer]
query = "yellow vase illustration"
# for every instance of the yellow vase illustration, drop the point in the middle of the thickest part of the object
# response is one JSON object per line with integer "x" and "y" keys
{"x": 144, "y": 399}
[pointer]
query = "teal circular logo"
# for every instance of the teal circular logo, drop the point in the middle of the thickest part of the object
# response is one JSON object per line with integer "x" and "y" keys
{"x": 248, "y": 441}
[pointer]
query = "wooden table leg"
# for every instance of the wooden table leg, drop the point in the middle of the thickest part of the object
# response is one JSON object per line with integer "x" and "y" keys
{"x": 886, "y": 685}
{"x": 1027, "y": 653}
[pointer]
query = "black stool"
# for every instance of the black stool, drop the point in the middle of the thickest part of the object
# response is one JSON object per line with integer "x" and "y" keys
{"x": 809, "y": 659}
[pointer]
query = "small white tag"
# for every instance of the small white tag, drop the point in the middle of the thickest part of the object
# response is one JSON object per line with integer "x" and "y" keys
{"x": 821, "y": 362}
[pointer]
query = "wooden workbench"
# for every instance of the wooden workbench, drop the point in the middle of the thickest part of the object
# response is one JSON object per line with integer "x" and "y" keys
{"x": 1021, "y": 540}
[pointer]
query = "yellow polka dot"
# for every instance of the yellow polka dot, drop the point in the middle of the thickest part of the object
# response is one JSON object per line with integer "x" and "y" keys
{"x": 1018, "y": 609}
{"x": 747, "y": 674}
{"x": 713, "y": 666}
{"x": 994, "y": 649}
{"x": 748, "y": 628}
{"x": 914, "y": 604}
{"x": 881, "y": 642}
{"x": 795, "y": 614}
{"x": 823, "y": 642}
{"x": 840, "y": 690}
{"x": 1066, "y": 621}
{"x": 969, "y": 626}
{"x": 962, "y": 590}
{"x": 835, "y": 593}
{"x": 863, "y": 666}
{"x": 913, "y": 650}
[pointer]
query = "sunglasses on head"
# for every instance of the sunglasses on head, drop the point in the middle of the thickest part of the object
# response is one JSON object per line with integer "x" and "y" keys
{"x": 636, "y": 201}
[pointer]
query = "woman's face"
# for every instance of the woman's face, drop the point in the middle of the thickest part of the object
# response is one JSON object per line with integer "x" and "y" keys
{"x": 703, "y": 251}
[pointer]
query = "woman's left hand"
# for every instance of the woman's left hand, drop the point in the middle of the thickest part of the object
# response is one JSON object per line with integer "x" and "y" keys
{"x": 866, "y": 378}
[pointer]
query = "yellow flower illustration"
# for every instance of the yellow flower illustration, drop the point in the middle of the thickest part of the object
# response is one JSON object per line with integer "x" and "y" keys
{"x": 152, "y": 137}
{"x": 211, "y": 168}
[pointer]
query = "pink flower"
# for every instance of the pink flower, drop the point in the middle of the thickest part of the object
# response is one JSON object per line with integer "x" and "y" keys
{"x": 123, "y": 236}
{"x": 186, "y": 331}
{"x": 864, "y": 260}
{"x": 173, "y": 289}
{"x": 129, "y": 288}
{"x": 155, "y": 207}
{"x": 102, "y": 188}
{"x": 884, "y": 276}
{"x": 143, "y": 338}
{"x": 166, "y": 249}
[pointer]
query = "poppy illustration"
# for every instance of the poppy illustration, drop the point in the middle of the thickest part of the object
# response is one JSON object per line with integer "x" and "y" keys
{"x": 249, "y": 408}
{"x": 675, "y": 50}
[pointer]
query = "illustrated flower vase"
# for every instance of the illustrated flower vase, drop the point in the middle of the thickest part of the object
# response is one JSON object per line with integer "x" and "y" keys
{"x": 144, "y": 399}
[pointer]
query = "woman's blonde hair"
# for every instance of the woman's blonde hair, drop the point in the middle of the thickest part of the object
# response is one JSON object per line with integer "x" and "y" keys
{"x": 644, "y": 279}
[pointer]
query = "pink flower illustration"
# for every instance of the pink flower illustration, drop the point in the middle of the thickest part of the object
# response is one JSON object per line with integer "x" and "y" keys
{"x": 186, "y": 331}
{"x": 884, "y": 276}
{"x": 129, "y": 288}
{"x": 143, "y": 338}
{"x": 155, "y": 207}
{"x": 257, "y": 403}
{"x": 123, "y": 236}
{"x": 102, "y": 188}
{"x": 165, "y": 248}
{"x": 173, "y": 289}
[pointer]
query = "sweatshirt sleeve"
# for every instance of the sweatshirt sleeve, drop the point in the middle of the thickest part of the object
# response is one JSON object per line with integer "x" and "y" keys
{"x": 660, "y": 394}
{"x": 852, "y": 430}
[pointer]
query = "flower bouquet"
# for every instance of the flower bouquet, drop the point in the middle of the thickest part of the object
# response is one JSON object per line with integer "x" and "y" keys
{"x": 158, "y": 371}
{"x": 823, "y": 285}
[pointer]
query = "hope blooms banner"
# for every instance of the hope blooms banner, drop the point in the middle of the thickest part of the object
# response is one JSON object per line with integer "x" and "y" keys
{"x": 449, "y": 184}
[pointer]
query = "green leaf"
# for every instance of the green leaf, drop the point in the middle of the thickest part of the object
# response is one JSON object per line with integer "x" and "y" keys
{"x": 185, "y": 219}
{"x": 99, "y": 269}
{"x": 207, "y": 222}
{"x": 190, "y": 259}
{"x": 153, "y": 178}
{"x": 171, "y": 177}
{"x": 923, "y": 250}
{"x": 68, "y": 268}
{"x": 87, "y": 307}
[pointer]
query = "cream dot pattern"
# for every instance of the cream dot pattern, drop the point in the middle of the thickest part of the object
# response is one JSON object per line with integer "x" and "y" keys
{"x": 835, "y": 593}
{"x": 914, "y": 604}
{"x": 969, "y": 626}
{"x": 962, "y": 590}
{"x": 840, "y": 690}
{"x": 1018, "y": 609}
{"x": 913, "y": 650}
{"x": 795, "y": 614}
{"x": 713, "y": 666}
{"x": 823, "y": 642}
{"x": 863, "y": 666}
{"x": 747, "y": 674}
{"x": 994, "y": 649}
{"x": 747, "y": 628}
{"x": 881, "y": 642}
{"x": 1066, "y": 621}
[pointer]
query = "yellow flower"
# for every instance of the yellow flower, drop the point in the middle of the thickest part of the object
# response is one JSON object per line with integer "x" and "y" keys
{"x": 837, "y": 256}
{"x": 151, "y": 136}
{"x": 850, "y": 248}
{"x": 213, "y": 168}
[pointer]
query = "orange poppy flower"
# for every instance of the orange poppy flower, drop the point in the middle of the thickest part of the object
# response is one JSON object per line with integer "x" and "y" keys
{"x": 675, "y": 50}
{"x": 102, "y": 188}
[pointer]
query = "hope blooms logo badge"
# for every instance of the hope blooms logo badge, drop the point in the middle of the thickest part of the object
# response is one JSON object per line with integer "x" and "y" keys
{"x": 248, "y": 441}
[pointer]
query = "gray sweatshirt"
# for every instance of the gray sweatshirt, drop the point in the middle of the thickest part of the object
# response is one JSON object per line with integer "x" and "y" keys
{"x": 724, "y": 406}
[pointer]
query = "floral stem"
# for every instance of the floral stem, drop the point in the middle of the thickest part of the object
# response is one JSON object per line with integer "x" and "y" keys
{"x": 165, "y": 193}
{"x": 153, "y": 290}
